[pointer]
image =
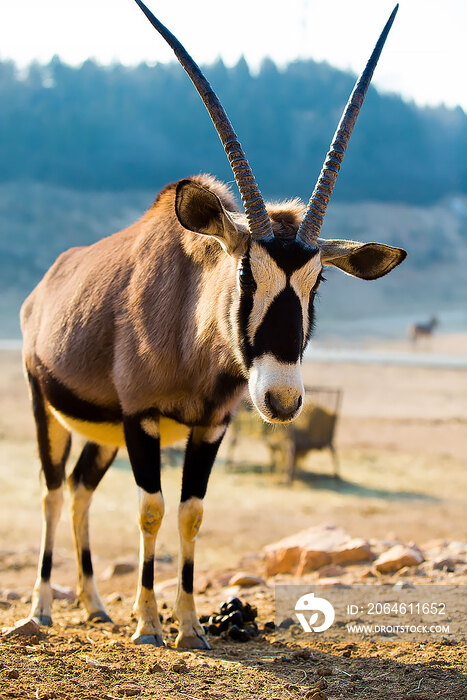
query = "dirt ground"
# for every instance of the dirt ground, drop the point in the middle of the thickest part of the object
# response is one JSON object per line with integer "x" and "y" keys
{"x": 402, "y": 440}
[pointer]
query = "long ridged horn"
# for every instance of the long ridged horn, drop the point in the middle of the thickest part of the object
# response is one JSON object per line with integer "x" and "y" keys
{"x": 258, "y": 219}
{"x": 312, "y": 221}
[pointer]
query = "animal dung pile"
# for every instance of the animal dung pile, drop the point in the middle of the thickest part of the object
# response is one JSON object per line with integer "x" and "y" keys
{"x": 235, "y": 620}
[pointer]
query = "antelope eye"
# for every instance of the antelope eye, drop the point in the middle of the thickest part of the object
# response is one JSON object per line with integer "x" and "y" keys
{"x": 246, "y": 279}
{"x": 318, "y": 282}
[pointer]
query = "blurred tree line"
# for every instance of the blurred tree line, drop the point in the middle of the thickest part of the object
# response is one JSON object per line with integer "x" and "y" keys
{"x": 116, "y": 128}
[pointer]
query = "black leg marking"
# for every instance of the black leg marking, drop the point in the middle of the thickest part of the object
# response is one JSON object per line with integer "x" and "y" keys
{"x": 86, "y": 562}
{"x": 53, "y": 473}
{"x": 46, "y": 566}
{"x": 90, "y": 467}
{"x": 147, "y": 574}
{"x": 199, "y": 458}
{"x": 187, "y": 576}
{"x": 144, "y": 453}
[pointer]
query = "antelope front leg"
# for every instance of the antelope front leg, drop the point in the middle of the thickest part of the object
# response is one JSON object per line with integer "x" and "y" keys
{"x": 142, "y": 439}
{"x": 200, "y": 454}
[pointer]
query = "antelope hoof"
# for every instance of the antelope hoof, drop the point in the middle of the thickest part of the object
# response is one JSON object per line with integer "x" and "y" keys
{"x": 191, "y": 641}
{"x": 154, "y": 639}
{"x": 43, "y": 620}
{"x": 99, "y": 616}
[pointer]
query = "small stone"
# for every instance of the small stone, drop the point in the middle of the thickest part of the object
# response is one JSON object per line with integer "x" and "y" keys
{"x": 397, "y": 557}
{"x": 321, "y": 684}
{"x": 444, "y": 564}
{"x": 12, "y": 595}
{"x": 347, "y": 653}
{"x": 62, "y": 592}
{"x": 119, "y": 568}
{"x": 330, "y": 571}
{"x": 114, "y": 598}
{"x": 368, "y": 573}
{"x": 129, "y": 690}
{"x": 302, "y": 654}
{"x": 458, "y": 547}
{"x": 5, "y": 604}
{"x": 12, "y": 673}
{"x": 269, "y": 626}
{"x": 324, "y": 671}
{"x": 179, "y": 667}
{"x": 402, "y": 585}
{"x": 97, "y": 664}
{"x": 24, "y": 628}
{"x": 155, "y": 668}
{"x": 245, "y": 580}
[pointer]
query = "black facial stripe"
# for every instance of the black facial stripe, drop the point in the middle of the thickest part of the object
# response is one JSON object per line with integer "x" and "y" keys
{"x": 65, "y": 401}
{"x": 289, "y": 255}
{"x": 243, "y": 316}
{"x": 311, "y": 322}
{"x": 281, "y": 330}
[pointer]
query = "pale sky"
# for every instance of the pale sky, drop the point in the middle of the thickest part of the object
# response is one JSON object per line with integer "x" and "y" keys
{"x": 425, "y": 57}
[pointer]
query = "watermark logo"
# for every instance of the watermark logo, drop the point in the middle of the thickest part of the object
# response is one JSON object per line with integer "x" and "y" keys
{"x": 309, "y": 603}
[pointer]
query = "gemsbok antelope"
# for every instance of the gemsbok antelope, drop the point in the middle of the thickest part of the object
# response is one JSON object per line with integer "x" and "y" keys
{"x": 152, "y": 335}
{"x": 423, "y": 330}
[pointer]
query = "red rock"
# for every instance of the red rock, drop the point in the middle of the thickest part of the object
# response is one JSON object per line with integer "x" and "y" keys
{"x": 119, "y": 568}
{"x": 24, "y": 628}
{"x": 62, "y": 592}
{"x": 352, "y": 551}
{"x": 397, "y": 557}
{"x": 330, "y": 571}
{"x": 445, "y": 564}
{"x": 310, "y": 560}
{"x": 311, "y": 549}
{"x": 245, "y": 580}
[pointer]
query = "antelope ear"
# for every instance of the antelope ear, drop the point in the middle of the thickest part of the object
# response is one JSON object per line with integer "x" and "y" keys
{"x": 200, "y": 210}
{"x": 369, "y": 261}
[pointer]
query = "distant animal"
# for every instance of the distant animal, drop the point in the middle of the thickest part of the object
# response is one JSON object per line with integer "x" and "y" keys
{"x": 423, "y": 330}
{"x": 154, "y": 333}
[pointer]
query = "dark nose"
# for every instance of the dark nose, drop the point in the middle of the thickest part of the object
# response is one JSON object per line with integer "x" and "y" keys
{"x": 279, "y": 409}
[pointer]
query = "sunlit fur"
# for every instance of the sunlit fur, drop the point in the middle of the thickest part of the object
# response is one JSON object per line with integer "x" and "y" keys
{"x": 145, "y": 318}
{"x": 157, "y": 331}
